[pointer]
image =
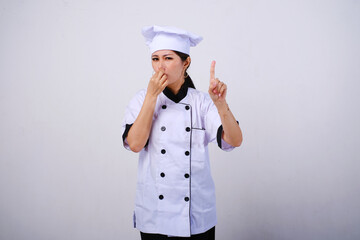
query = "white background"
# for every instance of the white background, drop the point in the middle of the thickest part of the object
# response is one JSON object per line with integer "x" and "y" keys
{"x": 69, "y": 68}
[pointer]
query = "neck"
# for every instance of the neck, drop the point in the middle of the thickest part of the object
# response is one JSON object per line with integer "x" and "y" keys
{"x": 175, "y": 87}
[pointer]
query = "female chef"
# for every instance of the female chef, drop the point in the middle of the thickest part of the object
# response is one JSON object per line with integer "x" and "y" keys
{"x": 171, "y": 124}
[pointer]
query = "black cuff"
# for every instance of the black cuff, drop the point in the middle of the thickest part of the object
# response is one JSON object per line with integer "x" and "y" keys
{"x": 219, "y": 135}
{"x": 126, "y": 132}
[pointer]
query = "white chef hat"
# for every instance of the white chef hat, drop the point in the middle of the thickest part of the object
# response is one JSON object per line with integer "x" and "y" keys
{"x": 169, "y": 38}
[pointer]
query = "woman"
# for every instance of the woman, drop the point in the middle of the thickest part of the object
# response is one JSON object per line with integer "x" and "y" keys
{"x": 170, "y": 124}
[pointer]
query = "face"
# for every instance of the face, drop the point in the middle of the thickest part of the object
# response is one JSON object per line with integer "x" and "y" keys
{"x": 170, "y": 63}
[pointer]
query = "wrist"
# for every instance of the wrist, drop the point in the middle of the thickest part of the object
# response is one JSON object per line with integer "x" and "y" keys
{"x": 222, "y": 107}
{"x": 150, "y": 98}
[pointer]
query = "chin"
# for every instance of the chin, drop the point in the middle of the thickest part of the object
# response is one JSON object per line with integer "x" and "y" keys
{"x": 171, "y": 81}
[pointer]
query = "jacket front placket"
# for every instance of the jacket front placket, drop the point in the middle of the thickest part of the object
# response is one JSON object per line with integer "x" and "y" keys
{"x": 171, "y": 143}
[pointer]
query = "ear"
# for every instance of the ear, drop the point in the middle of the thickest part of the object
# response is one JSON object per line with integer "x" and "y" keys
{"x": 187, "y": 62}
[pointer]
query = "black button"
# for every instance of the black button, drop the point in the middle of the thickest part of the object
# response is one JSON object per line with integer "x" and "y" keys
{"x": 163, "y": 106}
{"x": 162, "y": 174}
{"x": 163, "y": 128}
{"x": 163, "y": 151}
{"x": 187, "y": 153}
{"x": 161, "y": 197}
{"x": 186, "y": 175}
{"x": 187, "y": 107}
{"x": 186, "y": 199}
{"x": 187, "y": 129}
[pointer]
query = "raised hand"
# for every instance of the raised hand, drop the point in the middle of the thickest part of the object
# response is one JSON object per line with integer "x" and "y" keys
{"x": 217, "y": 89}
{"x": 157, "y": 83}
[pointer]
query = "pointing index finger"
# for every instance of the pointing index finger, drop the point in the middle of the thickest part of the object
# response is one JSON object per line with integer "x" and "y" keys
{"x": 212, "y": 71}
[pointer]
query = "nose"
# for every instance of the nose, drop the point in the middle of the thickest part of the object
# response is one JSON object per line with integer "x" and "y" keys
{"x": 161, "y": 65}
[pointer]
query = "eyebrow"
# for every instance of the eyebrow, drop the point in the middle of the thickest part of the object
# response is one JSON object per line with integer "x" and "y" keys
{"x": 163, "y": 55}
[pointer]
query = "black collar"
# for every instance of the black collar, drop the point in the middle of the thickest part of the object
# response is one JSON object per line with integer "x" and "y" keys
{"x": 180, "y": 95}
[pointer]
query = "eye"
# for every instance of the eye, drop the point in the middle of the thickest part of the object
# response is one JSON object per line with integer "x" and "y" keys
{"x": 168, "y": 58}
{"x": 155, "y": 59}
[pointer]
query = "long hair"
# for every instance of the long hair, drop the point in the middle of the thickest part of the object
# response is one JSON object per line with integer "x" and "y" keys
{"x": 183, "y": 57}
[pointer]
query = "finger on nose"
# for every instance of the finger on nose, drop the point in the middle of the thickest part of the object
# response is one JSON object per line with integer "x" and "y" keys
{"x": 160, "y": 73}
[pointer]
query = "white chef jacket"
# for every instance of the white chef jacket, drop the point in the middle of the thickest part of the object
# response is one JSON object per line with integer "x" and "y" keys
{"x": 175, "y": 192}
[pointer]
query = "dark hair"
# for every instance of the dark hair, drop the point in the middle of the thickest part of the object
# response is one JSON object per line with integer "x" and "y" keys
{"x": 183, "y": 57}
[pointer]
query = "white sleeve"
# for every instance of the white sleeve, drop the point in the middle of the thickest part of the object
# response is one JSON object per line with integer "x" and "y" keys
{"x": 131, "y": 112}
